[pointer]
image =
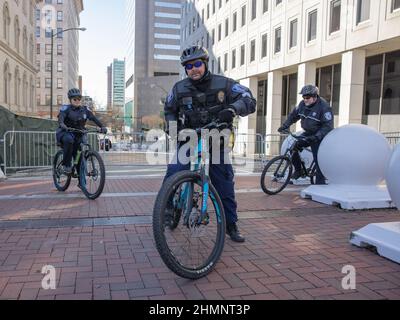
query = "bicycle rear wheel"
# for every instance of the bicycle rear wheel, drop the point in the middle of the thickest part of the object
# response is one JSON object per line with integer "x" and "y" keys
{"x": 61, "y": 180}
{"x": 92, "y": 175}
{"x": 188, "y": 248}
{"x": 276, "y": 175}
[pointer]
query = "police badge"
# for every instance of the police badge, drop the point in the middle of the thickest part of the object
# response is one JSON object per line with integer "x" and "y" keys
{"x": 221, "y": 96}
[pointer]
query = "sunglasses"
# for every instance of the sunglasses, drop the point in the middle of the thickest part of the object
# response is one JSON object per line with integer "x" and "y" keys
{"x": 307, "y": 97}
{"x": 197, "y": 64}
{"x": 76, "y": 99}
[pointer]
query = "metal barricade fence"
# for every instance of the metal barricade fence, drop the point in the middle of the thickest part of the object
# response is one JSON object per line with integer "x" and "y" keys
{"x": 24, "y": 150}
{"x": 392, "y": 137}
{"x": 135, "y": 149}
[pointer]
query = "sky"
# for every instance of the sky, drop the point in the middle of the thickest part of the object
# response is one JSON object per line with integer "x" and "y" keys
{"x": 103, "y": 41}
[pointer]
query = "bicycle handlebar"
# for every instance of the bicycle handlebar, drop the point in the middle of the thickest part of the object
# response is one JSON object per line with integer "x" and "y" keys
{"x": 85, "y": 131}
{"x": 213, "y": 125}
{"x": 291, "y": 134}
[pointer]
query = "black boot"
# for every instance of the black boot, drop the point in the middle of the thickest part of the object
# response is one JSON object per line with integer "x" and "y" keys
{"x": 233, "y": 231}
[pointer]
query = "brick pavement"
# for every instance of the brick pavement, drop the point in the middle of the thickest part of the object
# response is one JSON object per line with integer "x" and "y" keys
{"x": 295, "y": 249}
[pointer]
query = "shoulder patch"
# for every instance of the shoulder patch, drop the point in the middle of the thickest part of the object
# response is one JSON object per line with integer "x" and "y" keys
{"x": 64, "y": 108}
{"x": 328, "y": 116}
{"x": 170, "y": 96}
{"x": 238, "y": 88}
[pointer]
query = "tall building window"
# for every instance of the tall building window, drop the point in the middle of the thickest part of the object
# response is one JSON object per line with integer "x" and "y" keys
{"x": 48, "y": 49}
{"x": 226, "y": 62}
{"x": 212, "y": 36}
{"x": 363, "y": 10}
{"x": 253, "y": 9}
{"x": 278, "y": 40}
{"x": 395, "y": 5}
{"x": 60, "y": 16}
{"x": 219, "y": 65}
{"x": 264, "y": 46}
{"x": 47, "y": 66}
{"x": 328, "y": 81}
{"x": 391, "y": 84}
{"x": 226, "y": 27}
{"x": 242, "y": 54}
{"x": 234, "y": 22}
{"x": 252, "y": 50}
{"x": 289, "y": 94}
{"x": 219, "y": 32}
{"x": 334, "y": 24}
{"x": 265, "y": 6}
{"x": 243, "y": 15}
{"x": 233, "y": 58}
{"x": 59, "y": 83}
{"x": 293, "y": 34}
{"x": 312, "y": 26}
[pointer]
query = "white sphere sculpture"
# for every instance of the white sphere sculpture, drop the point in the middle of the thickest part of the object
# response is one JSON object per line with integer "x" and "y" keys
{"x": 354, "y": 154}
{"x": 305, "y": 155}
{"x": 393, "y": 176}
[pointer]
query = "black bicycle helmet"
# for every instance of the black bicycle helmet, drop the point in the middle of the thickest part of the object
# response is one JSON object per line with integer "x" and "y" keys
{"x": 194, "y": 53}
{"x": 309, "y": 90}
{"x": 73, "y": 93}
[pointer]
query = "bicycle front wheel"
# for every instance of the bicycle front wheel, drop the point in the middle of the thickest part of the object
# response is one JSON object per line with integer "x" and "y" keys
{"x": 276, "y": 175}
{"x": 189, "y": 244}
{"x": 92, "y": 175}
{"x": 61, "y": 180}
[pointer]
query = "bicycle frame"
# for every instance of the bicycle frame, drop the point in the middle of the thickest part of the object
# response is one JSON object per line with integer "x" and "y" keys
{"x": 202, "y": 165}
{"x": 289, "y": 154}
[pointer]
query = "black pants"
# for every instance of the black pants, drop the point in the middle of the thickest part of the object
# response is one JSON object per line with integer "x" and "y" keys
{"x": 70, "y": 144}
{"x": 320, "y": 179}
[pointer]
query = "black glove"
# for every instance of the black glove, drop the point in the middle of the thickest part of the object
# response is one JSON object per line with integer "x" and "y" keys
{"x": 282, "y": 129}
{"x": 63, "y": 126}
{"x": 302, "y": 143}
{"x": 226, "y": 115}
{"x": 103, "y": 130}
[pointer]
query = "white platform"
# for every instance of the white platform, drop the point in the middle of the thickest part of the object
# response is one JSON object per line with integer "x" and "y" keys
{"x": 300, "y": 182}
{"x": 350, "y": 197}
{"x": 385, "y": 237}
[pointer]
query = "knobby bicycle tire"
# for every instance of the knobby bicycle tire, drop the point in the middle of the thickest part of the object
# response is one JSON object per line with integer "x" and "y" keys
{"x": 58, "y": 186}
{"x": 169, "y": 187}
{"x": 82, "y": 175}
{"x": 286, "y": 178}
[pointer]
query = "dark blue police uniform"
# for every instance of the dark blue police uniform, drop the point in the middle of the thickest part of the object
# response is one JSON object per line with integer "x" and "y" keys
{"x": 194, "y": 104}
{"x": 317, "y": 121}
{"x": 76, "y": 118}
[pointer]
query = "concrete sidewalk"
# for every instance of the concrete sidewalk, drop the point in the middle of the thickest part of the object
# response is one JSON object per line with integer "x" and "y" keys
{"x": 104, "y": 249}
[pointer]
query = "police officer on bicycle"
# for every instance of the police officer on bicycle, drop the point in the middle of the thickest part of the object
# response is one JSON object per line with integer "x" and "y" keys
{"x": 195, "y": 102}
{"x": 317, "y": 121}
{"x": 73, "y": 115}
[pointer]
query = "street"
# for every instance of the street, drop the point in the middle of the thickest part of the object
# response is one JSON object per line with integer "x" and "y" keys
{"x": 104, "y": 249}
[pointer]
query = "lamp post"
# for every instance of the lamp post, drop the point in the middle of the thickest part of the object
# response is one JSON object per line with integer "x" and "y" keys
{"x": 52, "y": 62}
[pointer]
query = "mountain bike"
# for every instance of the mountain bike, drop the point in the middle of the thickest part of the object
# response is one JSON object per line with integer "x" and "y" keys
{"x": 88, "y": 168}
{"x": 278, "y": 171}
{"x": 189, "y": 219}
